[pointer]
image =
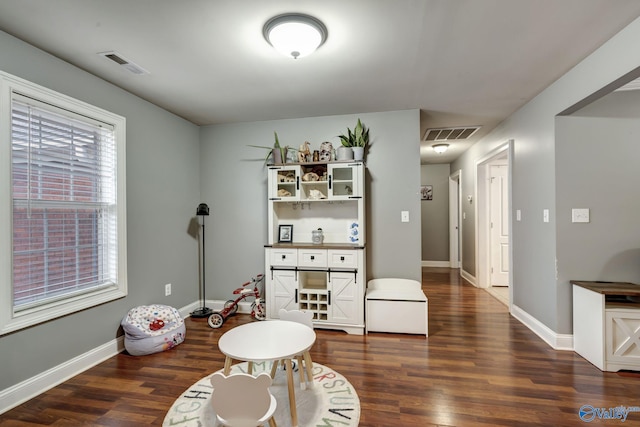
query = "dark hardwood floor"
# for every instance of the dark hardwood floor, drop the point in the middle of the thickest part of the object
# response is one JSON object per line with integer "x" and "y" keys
{"x": 479, "y": 367}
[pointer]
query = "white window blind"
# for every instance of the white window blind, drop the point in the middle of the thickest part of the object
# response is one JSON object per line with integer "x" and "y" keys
{"x": 64, "y": 184}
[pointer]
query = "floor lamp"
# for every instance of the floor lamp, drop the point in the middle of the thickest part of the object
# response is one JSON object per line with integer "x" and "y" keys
{"x": 203, "y": 210}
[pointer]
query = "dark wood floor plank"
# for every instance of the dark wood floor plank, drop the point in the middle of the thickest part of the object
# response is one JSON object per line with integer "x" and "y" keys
{"x": 479, "y": 367}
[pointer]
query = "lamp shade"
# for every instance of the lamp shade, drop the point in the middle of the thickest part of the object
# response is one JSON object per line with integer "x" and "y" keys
{"x": 202, "y": 210}
{"x": 295, "y": 35}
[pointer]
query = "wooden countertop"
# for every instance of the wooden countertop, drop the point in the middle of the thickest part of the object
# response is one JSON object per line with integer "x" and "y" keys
{"x": 295, "y": 245}
{"x": 610, "y": 288}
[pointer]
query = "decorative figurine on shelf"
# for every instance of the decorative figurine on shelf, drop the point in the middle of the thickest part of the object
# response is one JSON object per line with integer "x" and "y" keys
{"x": 288, "y": 176}
{"x": 326, "y": 149}
{"x": 310, "y": 176}
{"x": 283, "y": 193}
{"x": 316, "y": 195}
{"x": 304, "y": 152}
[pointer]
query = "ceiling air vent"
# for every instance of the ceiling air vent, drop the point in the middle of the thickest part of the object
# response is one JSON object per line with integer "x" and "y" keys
{"x": 125, "y": 63}
{"x": 450, "y": 134}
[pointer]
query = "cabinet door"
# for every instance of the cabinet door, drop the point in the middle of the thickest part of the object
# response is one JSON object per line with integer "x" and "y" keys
{"x": 284, "y": 183}
{"x": 281, "y": 292}
{"x": 344, "y": 299}
{"x": 345, "y": 181}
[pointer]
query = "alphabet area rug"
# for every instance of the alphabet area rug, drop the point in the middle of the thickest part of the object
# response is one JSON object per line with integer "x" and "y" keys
{"x": 331, "y": 400}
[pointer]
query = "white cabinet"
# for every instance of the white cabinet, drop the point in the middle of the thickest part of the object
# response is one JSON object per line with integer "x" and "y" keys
{"x": 329, "y": 278}
{"x": 606, "y": 324}
{"x": 334, "y": 293}
{"x": 315, "y": 182}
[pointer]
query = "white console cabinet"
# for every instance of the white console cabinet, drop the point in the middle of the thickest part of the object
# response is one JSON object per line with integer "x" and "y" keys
{"x": 328, "y": 278}
{"x": 606, "y": 324}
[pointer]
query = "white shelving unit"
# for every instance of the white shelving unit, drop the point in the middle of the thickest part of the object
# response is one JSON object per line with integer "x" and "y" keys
{"x": 327, "y": 279}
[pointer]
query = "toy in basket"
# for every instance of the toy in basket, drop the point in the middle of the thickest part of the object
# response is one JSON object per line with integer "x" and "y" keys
{"x": 258, "y": 310}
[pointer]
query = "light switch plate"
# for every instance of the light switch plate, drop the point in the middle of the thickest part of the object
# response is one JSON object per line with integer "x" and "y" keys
{"x": 545, "y": 215}
{"x": 404, "y": 216}
{"x": 518, "y": 215}
{"x": 579, "y": 215}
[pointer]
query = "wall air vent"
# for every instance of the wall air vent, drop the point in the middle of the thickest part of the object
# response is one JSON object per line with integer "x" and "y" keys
{"x": 125, "y": 63}
{"x": 450, "y": 134}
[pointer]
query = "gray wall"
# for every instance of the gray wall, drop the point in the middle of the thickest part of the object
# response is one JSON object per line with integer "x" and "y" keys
{"x": 605, "y": 180}
{"x": 162, "y": 195}
{"x": 233, "y": 183}
{"x": 538, "y": 288}
{"x": 435, "y": 213}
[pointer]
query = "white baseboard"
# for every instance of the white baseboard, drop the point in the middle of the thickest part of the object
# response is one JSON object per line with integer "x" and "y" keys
{"x": 436, "y": 264}
{"x": 555, "y": 340}
{"x": 468, "y": 277}
{"x": 21, "y": 392}
{"x": 30, "y": 388}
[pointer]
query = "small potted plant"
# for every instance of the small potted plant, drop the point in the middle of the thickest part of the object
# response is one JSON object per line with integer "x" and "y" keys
{"x": 277, "y": 152}
{"x": 353, "y": 143}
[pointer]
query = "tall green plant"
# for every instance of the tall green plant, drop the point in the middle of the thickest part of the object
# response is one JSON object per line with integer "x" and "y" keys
{"x": 276, "y": 146}
{"x": 359, "y": 137}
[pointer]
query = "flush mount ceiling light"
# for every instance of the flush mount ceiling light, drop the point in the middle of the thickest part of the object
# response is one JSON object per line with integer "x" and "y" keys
{"x": 440, "y": 148}
{"x": 295, "y": 35}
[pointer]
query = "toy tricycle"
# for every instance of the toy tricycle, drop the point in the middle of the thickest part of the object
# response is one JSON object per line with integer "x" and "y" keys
{"x": 258, "y": 310}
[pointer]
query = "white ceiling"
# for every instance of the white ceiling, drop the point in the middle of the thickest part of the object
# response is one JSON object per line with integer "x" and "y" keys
{"x": 461, "y": 62}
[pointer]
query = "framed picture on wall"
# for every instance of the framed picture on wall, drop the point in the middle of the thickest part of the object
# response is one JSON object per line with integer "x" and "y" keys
{"x": 285, "y": 233}
{"x": 426, "y": 192}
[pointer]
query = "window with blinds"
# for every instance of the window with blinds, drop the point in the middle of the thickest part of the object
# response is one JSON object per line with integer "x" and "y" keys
{"x": 63, "y": 186}
{"x": 66, "y": 210}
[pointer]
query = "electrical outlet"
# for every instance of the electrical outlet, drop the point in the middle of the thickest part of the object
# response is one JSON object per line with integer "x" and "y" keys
{"x": 167, "y": 289}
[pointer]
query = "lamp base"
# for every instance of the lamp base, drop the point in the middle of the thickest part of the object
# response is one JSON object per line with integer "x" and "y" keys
{"x": 201, "y": 312}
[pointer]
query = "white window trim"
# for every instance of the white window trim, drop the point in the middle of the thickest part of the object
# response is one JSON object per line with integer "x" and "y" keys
{"x": 10, "y": 321}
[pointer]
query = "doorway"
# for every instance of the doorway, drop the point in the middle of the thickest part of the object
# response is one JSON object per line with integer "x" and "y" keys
{"x": 454, "y": 220}
{"x": 493, "y": 223}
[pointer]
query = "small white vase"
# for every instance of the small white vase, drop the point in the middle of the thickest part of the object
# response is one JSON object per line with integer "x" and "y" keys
{"x": 358, "y": 153}
{"x": 344, "y": 153}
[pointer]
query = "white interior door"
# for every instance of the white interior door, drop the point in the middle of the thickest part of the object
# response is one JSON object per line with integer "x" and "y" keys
{"x": 454, "y": 220}
{"x": 499, "y": 217}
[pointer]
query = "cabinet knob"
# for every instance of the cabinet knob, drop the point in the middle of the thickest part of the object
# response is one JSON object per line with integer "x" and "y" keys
{"x": 284, "y": 257}
{"x": 341, "y": 258}
{"x": 313, "y": 257}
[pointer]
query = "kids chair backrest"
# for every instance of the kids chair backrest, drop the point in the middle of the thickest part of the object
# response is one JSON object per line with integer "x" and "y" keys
{"x": 242, "y": 400}
{"x": 305, "y": 318}
{"x": 299, "y": 316}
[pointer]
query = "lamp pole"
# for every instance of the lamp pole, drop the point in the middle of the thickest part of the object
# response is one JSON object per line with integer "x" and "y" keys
{"x": 203, "y": 210}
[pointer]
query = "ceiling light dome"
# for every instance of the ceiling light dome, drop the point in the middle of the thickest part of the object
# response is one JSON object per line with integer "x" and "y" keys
{"x": 440, "y": 148}
{"x": 295, "y": 35}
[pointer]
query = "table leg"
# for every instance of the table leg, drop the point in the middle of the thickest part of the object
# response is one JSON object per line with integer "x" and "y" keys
{"x": 274, "y": 368}
{"x": 227, "y": 365}
{"x": 292, "y": 394}
{"x": 303, "y": 384}
{"x": 308, "y": 364}
{"x": 250, "y": 368}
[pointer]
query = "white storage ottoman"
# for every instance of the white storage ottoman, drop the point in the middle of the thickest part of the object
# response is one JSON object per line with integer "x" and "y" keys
{"x": 396, "y": 305}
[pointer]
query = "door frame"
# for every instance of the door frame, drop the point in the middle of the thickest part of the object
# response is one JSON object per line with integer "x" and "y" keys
{"x": 483, "y": 223}
{"x": 455, "y": 223}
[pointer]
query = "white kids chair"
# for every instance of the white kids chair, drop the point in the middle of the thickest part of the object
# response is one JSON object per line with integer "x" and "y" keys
{"x": 242, "y": 400}
{"x": 305, "y": 318}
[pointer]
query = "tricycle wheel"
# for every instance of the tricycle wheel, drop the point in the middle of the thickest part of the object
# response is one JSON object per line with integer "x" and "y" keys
{"x": 215, "y": 320}
{"x": 231, "y": 306}
{"x": 258, "y": 310}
